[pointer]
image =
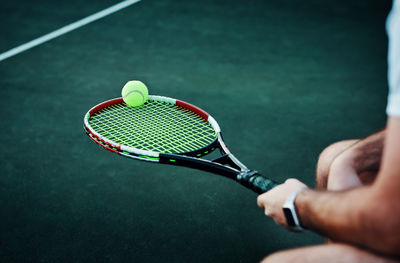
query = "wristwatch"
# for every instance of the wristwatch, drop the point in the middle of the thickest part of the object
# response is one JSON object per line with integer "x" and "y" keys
{"x": 289, "y": 210}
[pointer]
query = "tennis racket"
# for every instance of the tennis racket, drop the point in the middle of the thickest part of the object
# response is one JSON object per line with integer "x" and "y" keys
{"x": 168, "y": 131}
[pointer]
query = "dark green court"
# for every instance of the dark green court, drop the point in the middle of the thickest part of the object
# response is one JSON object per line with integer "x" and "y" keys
{"x": 284, "y": 79}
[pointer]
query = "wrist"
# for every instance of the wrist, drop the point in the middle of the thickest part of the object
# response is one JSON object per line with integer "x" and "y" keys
{"x": 291, "y": 213}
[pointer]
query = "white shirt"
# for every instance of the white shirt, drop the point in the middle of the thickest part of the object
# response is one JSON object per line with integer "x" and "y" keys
{"x": 393, "y": 31}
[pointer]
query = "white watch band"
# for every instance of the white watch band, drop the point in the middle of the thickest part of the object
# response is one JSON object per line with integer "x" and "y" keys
{"x": 290, "y": 211}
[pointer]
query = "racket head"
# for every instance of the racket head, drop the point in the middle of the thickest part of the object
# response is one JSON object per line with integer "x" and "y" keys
{"x": 161, "y": 126}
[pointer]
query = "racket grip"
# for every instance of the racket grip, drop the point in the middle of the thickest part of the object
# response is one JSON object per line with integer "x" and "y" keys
{"x": 256, "y": 182}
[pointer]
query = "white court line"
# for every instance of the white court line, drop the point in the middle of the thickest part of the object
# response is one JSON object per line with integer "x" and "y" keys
{"x": 66, "y": 29}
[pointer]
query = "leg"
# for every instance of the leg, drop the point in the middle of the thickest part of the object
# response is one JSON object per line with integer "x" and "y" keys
{"x": 350, "y": 163}
{"x": 338, "y": 253}
{"x": 326, "y": 159}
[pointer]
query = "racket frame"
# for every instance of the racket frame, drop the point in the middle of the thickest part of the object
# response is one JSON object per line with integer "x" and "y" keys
{"x": 226, "y": 165}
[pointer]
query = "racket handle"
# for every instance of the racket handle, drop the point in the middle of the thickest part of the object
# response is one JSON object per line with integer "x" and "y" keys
{"x": 256, "y": 182}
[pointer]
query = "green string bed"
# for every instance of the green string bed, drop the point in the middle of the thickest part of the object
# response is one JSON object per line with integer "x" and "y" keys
{"x": 155, "y": 126}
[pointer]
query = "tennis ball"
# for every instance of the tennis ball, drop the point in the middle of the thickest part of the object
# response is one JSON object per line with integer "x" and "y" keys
{"x": 135, "y": 93}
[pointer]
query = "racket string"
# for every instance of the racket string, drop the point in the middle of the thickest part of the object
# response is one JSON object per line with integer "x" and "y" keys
{"x": 155, "y": 126}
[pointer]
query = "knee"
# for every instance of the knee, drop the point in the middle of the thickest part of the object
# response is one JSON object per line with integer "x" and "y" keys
{"x": 326, "y": 158}
{"x": 274, "y": 258}
{"x": 291, "y": 255}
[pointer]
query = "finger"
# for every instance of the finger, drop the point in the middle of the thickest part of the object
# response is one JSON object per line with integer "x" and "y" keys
{"x": 267, "y": 211}
{"x": 260, "y": 201}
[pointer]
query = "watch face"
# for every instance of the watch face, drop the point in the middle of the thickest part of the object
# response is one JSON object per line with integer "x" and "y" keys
{"x": 289, "y": 217}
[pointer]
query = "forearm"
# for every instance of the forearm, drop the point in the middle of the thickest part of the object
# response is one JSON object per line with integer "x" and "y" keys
{"x": 367, "y": 216}
{"x": 352, "y": 216}
{"x": 315, "y": 207}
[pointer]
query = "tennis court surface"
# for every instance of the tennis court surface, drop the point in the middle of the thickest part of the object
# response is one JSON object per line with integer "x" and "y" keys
{"x": 284, "y": 79}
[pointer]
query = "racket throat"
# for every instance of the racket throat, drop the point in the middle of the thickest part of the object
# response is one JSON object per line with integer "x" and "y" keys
{"x": 227, "y": 159}
{"x": 234, "y": 162}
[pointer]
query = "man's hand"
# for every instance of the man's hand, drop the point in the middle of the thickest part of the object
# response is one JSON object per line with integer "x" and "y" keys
{"x": 272, "y": 201}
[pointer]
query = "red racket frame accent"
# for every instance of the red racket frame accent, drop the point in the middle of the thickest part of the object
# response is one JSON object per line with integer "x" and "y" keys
{"x": 179, "y": 103}
{"x": 204, "y": 115}
{"x": 104, "y": 144}
{"x": 105, "y": 104}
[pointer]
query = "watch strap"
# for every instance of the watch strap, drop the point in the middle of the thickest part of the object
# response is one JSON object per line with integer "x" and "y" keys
{"x": 289, "y": 206}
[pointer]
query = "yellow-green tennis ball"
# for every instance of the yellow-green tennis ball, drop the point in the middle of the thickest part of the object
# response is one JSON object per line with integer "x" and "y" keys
{"x": 135, "y": 93}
